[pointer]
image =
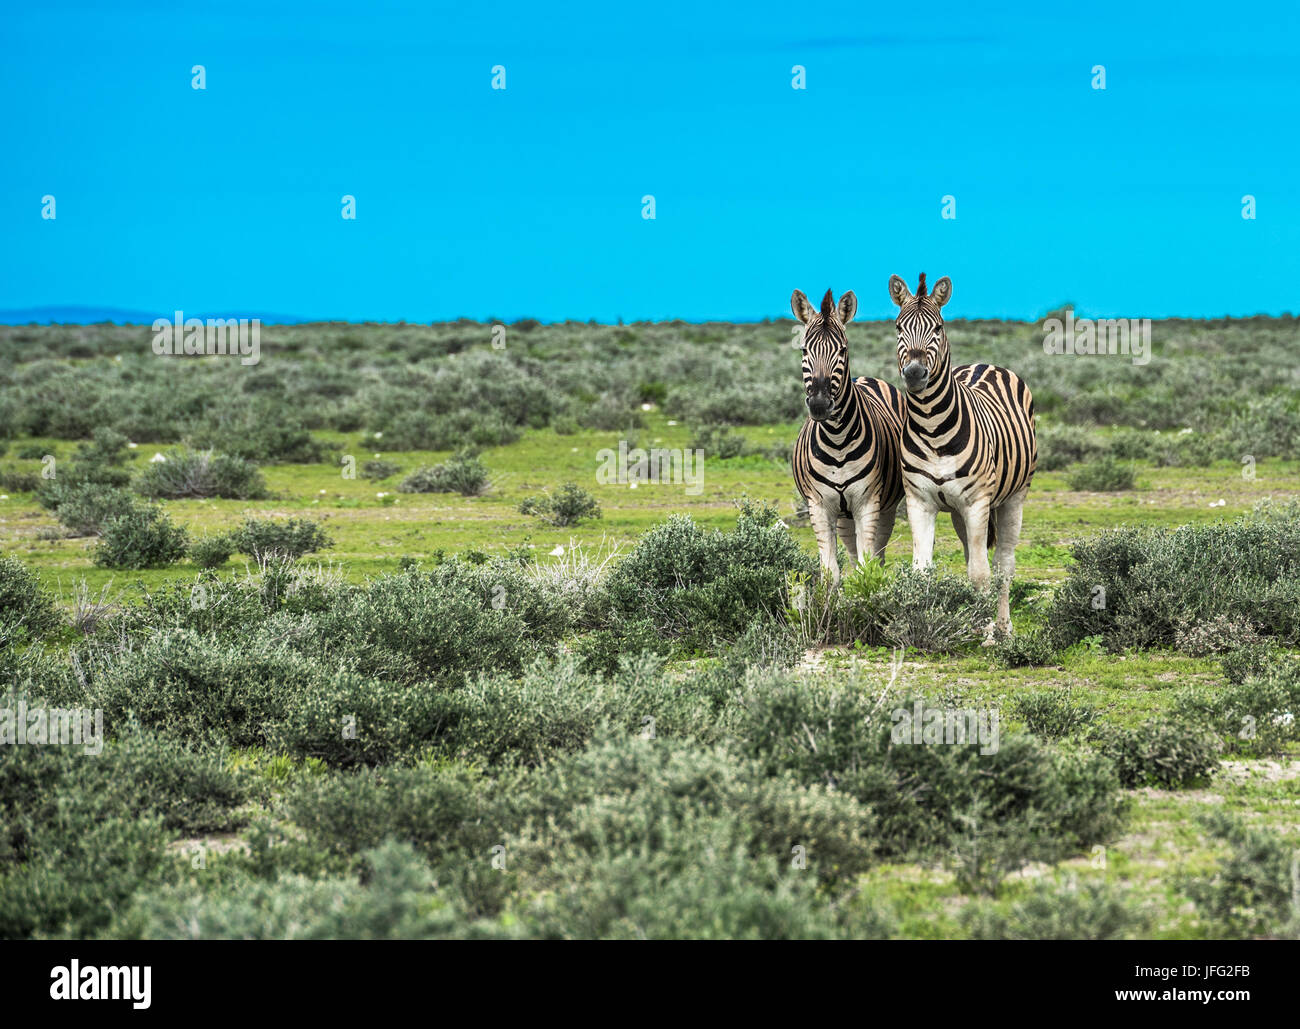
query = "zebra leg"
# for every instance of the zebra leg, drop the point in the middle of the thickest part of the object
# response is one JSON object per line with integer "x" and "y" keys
{"x": 959, "y": 526}
{"x": 824, "y": 529}
{"x": 881, "y": 528}
{"x": 1007, "y": 520}
{"x": 864, "y": 529}
{"x": 977, "y": 551}
{"x": 921, "y": 516}
{"x": 845, "y": 528}
{"x": 977, "y": 556}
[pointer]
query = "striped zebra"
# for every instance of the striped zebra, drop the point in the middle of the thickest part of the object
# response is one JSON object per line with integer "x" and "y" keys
{"x": 846, "y": 459}
{"x": 969, "y": 445}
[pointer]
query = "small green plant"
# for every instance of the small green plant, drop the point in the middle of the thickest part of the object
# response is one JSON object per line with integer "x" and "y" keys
{"x": 211, "y": 551}
{"x": 1165, "y": 753}
{"x": 462, "y": 473}
{"x": 26, "y": 610}
{"x": 200, "y": 473}
{"x": 569, "y": 505}
{"x": 378, "y": 469}
{"x": 145, "y": 538}
{"x": 1052, "y": 714}
{"x": 1028, "y": 648}
{"x": 265, "y": 539}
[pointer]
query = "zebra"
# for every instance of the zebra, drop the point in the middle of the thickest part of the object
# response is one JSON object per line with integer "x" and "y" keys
{"x": 969, "y": 445}
{"x": 846, "y": 458}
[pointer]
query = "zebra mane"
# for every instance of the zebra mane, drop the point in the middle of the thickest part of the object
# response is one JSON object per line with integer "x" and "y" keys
{"x": 828, "y": 305}
{"x": 920, "y": 289}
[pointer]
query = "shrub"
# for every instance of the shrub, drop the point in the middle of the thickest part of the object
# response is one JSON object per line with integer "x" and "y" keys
{"x": 1256, "y": 716}
{"x": 701, "y": 585}
{"x": 1060, "y": 446}
{"x": 462, "y": 473}
{"x": 86, "y": 509}
{"x": 1058, "y": 910}
{"x": 435, "y": 627}
{"x": 264, "y": 539}
{"x": 377, "y": 469}
{"x": 193, "y": 473}
{"x": 389, "y": 900}
{"x": 568, "y": 506}
{"x": 1107, "y": 475}
{"x": 199, "y": 687}
{"x": 1130, "y": 586}
{"x": 1025, "y": 800}
{"x": 211, "y": 551}
{"x": 437, "y": 809}
{"x": 1220, "y": 634}
{"x": 349, "y": 719}
{"x": 603, "y": 649}
{"x": 14, "y": 481}
{"x": 27, "y": 611}
{"x": 1246, "y": 661}
{"x": 1168, "y": 754}
{"x": 145, "y": 538}
{"x": 932, "y": 610}
{"x": 1030, "y": 648}
{"x": 1252, "y": 892}
{"x": 1052, "y": 714}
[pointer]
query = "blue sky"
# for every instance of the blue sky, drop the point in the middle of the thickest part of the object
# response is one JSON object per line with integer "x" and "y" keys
{"x": 527, "y": 201}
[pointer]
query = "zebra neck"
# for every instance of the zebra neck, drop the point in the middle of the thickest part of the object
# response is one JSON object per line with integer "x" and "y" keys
{"x": 933, "y": 412}
{"x": 845, "y": 421}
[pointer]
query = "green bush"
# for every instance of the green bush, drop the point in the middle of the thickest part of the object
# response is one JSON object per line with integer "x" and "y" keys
{"x": 440, "y": 626}
{"x": 27, "y": 611}
{"x": 1130, "y": 586}
{"x": 568, "y": 506}
{"x": 437, "y": 809}
{"x": 1107, "y": 475}
{"x": 1252, "y": 892}
{"x": 1257, "y": 716}
{"x": 461, "y": 473}
{"x": 347, "y": 719}
{"x": 1058, "y": 910}
{"x": 145, "y": 538}
{"x": 932, "y": 610}
{"x": 1023, "y": 801}
{"x": 265, "y": 539}
{"x": 700, "y": 585}
{"x": 79, "y": 834}
{"x": 1028, "y": 648}
{"x": 377, "y": 469}
{"x": 186, "y": 474}
{"x": 1218, "y": 635}
{"x": 1052, "y": 714}
{"x": 211, "y": 551}
{"x": 86, "y": 509}
{"x": 1169, "y": 754}
{"x": 1060, "y": 446}
{"x": 392, "y": 898}
{"x": 198, "y": 687}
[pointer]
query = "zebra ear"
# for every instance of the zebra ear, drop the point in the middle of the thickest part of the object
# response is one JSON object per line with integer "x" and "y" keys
{"x": 942, "y": 291}
{"x": 848, "y": 307}
{"x": 898, "y": 291}
{"x": 800, "y": 306}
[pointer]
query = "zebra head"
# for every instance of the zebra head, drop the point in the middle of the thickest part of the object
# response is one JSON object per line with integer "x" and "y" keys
{"x": 825, "y": 351}
{"x": 923, "y": 357}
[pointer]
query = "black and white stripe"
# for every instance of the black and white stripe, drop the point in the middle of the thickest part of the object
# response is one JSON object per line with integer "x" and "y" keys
{"x": 969, "y": 445}
{"x": 846, "y": 459}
